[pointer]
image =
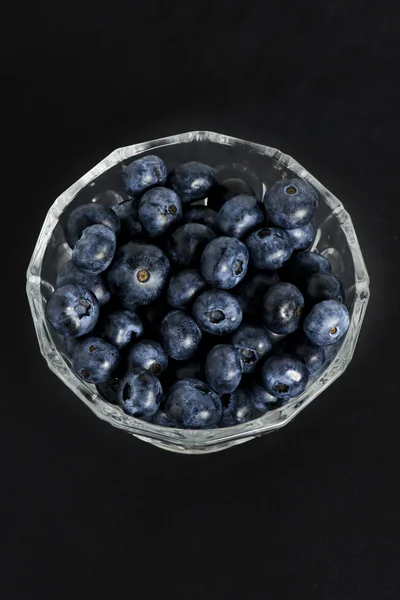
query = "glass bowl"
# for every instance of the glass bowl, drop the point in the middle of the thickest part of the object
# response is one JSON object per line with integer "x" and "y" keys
{"x": 260, "y": 166}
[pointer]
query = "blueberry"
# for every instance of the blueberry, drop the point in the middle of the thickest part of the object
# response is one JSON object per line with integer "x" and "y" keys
{"x": 184, "y": 287}
{"x": 191, "y": 369}
{"x": 140, "y": 393}
{"x": 201, "y": 214}
{"x": 224, "y": 262}
{"x": 252, "y": 342}
{"x": 94, "y": 360}
{"x": 187, "y": 243}
{"x": 192, "y": 180}
{"x": 240, "y": 408}
{"x": 291, "y": 203}
{"x": 109, "y": 389}
{"x": 326, "y": 323}
{"x": 72, "y": 310}
{"x": 301, "y": 237}
{"x": 192, "y": 404}
{"x": 121, "y": 327}
{"x": 162, "y": 419}
{"x": 269, "y": 248}
{"x": 223, "y": 368}
{"x": 283, "y": 306}
{"x": 180, "y": 334}
{"x": 159, "y": 208}
{"x": 95, "y": 249}
{"x": 217, "y": 312}
{"x": 263, "y": 400}
{"x": 90, "y": 214}
{"x": 128, "y": 214}
{"x": 138, "y": 273}
{"x": 312, "y": 356}
{"x": 251, "y": 292}
{"x": 284, "y": 376}
{"x": 324, "y": 286}
{"x": 304, "y": 264}
{"x": 239, "y": 215}
{"x": 227, "y": 189}
{"x": 144, "y": 173}
{"x": 69, "y": 273}
{"x": 148, "y": 355}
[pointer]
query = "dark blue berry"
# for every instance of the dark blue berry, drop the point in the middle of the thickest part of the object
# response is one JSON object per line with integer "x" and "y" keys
{"x": 301, "y": 237}
{"x": 217, "y": 312}
{"x": 138, "y": 273}
{"x": 269, "y": 248}
{"x": 187, "y": 243}
{"x": 94, "y": 360}
{"x": 252, "y": 342}
{"x": 121, "y": 327}
{"x": 144, "y": 173}
{"x": 159, "y": 208}
{"x": 140, "y": 393}
{"x": 283, "y": 306}
{"x": 109, "y": 389}
{"x": 291, "y": 203}
{"x": 284, "y": 376}
{"x": 250, "y": 293}
{"x": 69, "y": 273}
{"x": 128, "y": 214}
{"x": 227, "y": 189}
{"x": 224, "y": 262}
{"x": 192, "y": 404}
{"x": 304, "y": 264}
{"x": 240, "y": 408}
{"x": 95, "y": 249}
{"x": 324, "y": 286}
{"x": 180, "y": 334}
{"x": 192, "y": 180}
{"x": 184, "y": 287}
{"x": 72, "y": 310}
{"x": 90, "y": 214}
{"x": 263, "y": 400}
{"x": 223, "y": 368}
{"x": 201, "y": 214}
{"x": 312, "y": 356}
{"x": 239, "y": 215}
{"x": 326, "y": 323}
{"x": 162, "y": 419}
{"x": 148, "y": 355}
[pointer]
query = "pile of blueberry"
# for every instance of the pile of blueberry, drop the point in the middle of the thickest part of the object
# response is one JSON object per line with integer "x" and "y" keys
{"x": 191, "y": 314}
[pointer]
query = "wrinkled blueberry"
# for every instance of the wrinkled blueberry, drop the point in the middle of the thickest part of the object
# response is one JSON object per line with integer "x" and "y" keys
{"x": 283, "y": 306}
{"x": 217, "y": 312}
{"x": 269, "y": 248}
{"x": 128, "y": 214}
{"x": 284, "y": 376}
{"x": 240, "y": 408}
{"x": 192, "y": 180}
{"x": 224, "y": 262}
{"x": 94, "y": 360}
{"x": 323, "y": 286}
{"x": 144, "y": 173}
{"x": 184, "y": 287}
{"x": 148, "y": 355}
{"x": 301, "y": 237}
{"x": 201, "y": 214}
{"x": 326, "y": 323}
{"x": 180, "y": 334}
{"x": 95, "y": 249}
{"x": 121, "y": 327}
{"x": 239, "y": 215}
{"x": 193, "y": 404}
{"x": 291, "y": 203}
{"x": 263, "y": 400}
{"x": 69, "y": 273}
{"x": 252, "y": 342}
{"x": 223, "y": 368}
{"x": 140, "y": 393}
{"x": 72, "y": 310}
{"x": 250, "y": 293}
{"x": 187, "y": 243}
{"x": 159, "y": 208}
{"x": 312, "y": 356}
{"x": 90, "y": 214}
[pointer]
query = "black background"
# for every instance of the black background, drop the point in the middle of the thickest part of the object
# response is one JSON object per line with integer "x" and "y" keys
{"x": 311, "y": 511}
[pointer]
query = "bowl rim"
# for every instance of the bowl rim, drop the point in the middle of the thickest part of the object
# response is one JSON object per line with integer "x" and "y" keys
{"x": 187, "y": 439}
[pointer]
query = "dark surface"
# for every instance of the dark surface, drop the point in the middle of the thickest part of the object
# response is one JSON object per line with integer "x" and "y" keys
{"x": 311, "y": 511}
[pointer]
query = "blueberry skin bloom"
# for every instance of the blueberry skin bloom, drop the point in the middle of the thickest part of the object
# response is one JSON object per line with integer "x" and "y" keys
{"x": 192, "y": 180}
{"x": 187, "y": 243}
{"x": 184, "y": 287}
{"x": 223, "y": 368}
{"x": 201, "y": 214}
{"x": 128, "y": 214}
{"x": 304, "y": 264}
{"x": 301, "y": 237}
{"x": 269, "y": 248}
{"x": 326, "y": 323}
{"x": 139, "y": 393}
{"x": 138, "y": 273}
{"x": 121, "y": 327}
{"x": 240, "y": 408}
{"x": 72, "y": 310}
{"x": 95, "y": 249}
{"x": 324, "y": 286}
{"x": 217, "y": 312}
{"x": 159, "y": 208}
{"x": 263, "y": 400}
{"x": 144, "y": 173}
{"x": 283, "y": 306}
{"x": 250, "y": 293}
{"x": 148, "y": 355}
{"x": 224, "y": 262}
{"x": 284, "y": 376}
{"x": 291, "y": 203}
{"x": 69, "y": 273}
{"x": 252, "y": 342}
{"x": 194, "y": 405}
{"x": 94, "y": 360}
{"x": 180, "y": 334}
{"x": 90, "y": 214}
{"x": 239, "y": 215}
{"x": 312, "y": 356}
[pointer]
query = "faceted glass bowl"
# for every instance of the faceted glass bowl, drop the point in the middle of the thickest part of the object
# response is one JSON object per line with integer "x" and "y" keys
{"x": 259, "y": 166}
